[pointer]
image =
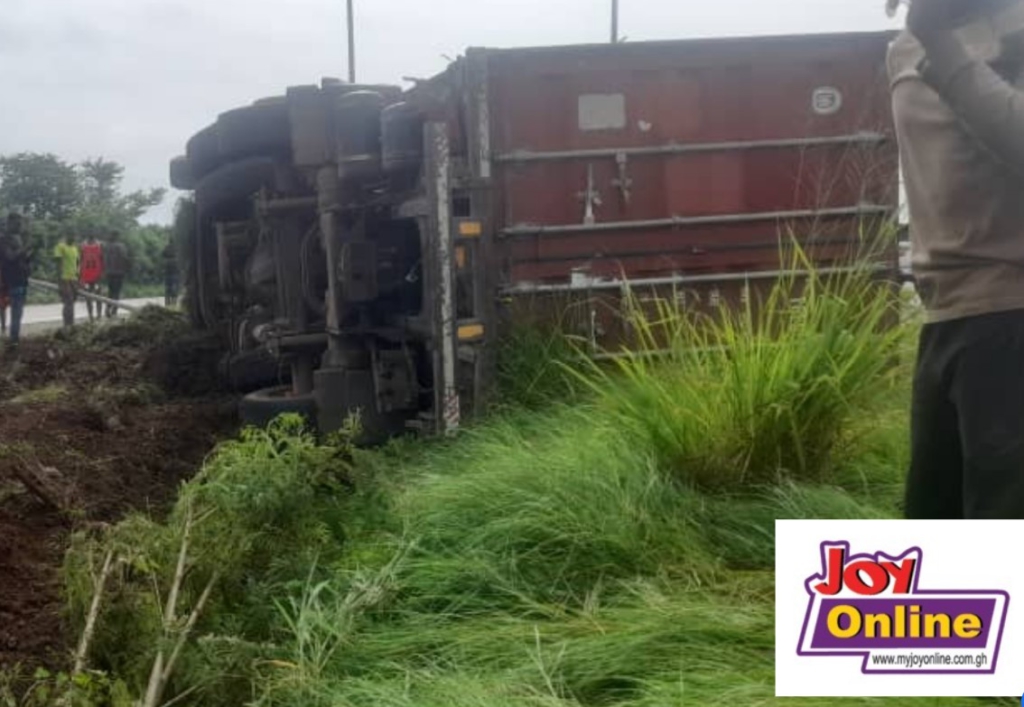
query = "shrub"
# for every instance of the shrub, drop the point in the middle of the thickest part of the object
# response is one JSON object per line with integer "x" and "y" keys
{"x": 261, "y": 512}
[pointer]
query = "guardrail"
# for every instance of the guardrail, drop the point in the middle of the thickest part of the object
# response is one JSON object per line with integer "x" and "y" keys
{"x": 44, "y": 285}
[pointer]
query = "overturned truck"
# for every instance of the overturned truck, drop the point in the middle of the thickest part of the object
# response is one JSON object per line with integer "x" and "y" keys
{"x": 378, "y": 242}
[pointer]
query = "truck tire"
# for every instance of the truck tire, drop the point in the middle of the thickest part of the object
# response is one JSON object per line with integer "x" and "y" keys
{"x": 259, "y": 408}
{"x": 203, "y": 152}
{"x": 259, "y": 129}
{"x": 181, "y": 174}
{"x": 250, "y": 371}
{"x": 187, "y": 227}
{"x": 232, "y": 183}
{"x": 223, "y": 194}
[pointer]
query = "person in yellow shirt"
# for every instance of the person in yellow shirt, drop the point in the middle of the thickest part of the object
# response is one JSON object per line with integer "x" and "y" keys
{"x": 67, "y": 257}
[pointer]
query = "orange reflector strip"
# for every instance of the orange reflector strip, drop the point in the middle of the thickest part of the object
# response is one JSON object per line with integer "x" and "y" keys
{"x": 470, "y": 331}
{"x": 470, "y": 229}
{"x": 460, "y": 257}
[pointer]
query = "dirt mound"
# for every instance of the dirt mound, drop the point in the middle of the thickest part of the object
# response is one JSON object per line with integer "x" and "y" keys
{"x": 51, "y": 363}
{"x": 188, "y": 366}
{"x": 145, "y": 348}
{"x": 87, "y": 410}
{"x": 30, "y": 552}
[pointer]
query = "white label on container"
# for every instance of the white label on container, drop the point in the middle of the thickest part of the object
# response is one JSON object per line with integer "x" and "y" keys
{"x": 598, "y": 111}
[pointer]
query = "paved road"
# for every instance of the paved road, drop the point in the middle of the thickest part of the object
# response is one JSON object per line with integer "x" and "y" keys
{"x": 42, "y": 318}
{"x": 47, "y": 313}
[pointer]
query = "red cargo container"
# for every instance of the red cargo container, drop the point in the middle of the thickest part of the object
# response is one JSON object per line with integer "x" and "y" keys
{"x": 670, "y": 162}
{"x": 378, "y": 242}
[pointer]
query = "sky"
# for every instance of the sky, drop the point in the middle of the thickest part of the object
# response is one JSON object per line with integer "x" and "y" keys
{"x": 132, "y": 80}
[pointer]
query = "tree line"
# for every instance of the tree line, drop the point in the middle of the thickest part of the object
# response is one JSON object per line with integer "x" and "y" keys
{"x": 58, "y": 198}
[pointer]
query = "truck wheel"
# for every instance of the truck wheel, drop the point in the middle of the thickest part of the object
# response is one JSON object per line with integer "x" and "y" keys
{"x": 250, "y": 371}
{"x": 187, "y": 227}
{"x": 223, "y": 194}
{"x": 258, "y": 409}
{"x": 233, "y": 182}
{"x": 259, "y": 129}
{"x": 181, "y": 174}
{"x": 203, "y": 151}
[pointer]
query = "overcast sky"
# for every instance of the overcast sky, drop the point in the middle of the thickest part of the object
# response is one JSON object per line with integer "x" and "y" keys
{"x": 131, "y": 80}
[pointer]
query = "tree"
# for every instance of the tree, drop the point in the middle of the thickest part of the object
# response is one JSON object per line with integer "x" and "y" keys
{"x": 137, "y": 203}
{"x": 40, "y": 186}
{"x": 82, "y": 200}
{"x": 105, "y": 209}
{"x": 100, "y": 180}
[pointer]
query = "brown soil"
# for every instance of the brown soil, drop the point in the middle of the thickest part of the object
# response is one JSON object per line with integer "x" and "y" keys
{"x": 90, "y": 419}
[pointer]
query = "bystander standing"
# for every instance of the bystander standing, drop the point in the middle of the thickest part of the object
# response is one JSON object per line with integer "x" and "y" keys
{"x": 5, "y": 302}
{"x": 92, "y": 273}
{"x": 66, "y": 255}
{"x": 15, "y": 266}
{"x": 170, "y": 274}
{"x": 957, "y": 76}
{"x": 116, "y": 265}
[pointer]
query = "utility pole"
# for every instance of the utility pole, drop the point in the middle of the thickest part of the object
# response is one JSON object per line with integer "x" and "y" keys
{"x": 352, "y": 44}
{"x": 615, "y": 21}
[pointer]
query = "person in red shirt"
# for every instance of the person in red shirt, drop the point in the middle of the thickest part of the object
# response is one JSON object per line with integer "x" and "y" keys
{"x": 92, "y": 272}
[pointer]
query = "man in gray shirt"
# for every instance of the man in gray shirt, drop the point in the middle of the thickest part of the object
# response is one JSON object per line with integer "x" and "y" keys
{"x": 115, "y": 265}
{"x": 957, "y": 78}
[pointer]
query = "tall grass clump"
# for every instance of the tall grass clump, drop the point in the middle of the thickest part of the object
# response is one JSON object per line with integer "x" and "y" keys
{"x": 759, "y": 393}
{"x": 532, "y": 363}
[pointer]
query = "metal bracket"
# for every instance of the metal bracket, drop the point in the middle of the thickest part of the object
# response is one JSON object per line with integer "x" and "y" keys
{"x": 357, "y": 271}
{"x": 591, "y": 197}
{"x": 624, "y": 182}
{"x": 394, "y": 379}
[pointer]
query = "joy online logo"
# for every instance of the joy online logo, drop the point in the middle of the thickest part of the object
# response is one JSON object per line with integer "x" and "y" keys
{"x": 871, "y": 607}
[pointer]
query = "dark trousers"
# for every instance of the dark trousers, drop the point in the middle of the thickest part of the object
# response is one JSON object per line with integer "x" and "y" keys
{"x": 17, "y": 295}
{"x": 967, "y": 420}
{"x": 114, "y": 283}
{"x": 68, "y": 294}
{"x": 93, "y": 288}
{"x": 170, "y": 289}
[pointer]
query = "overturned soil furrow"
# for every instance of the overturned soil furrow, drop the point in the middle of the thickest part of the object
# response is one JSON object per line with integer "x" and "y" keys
{"x": 87, "y": 417}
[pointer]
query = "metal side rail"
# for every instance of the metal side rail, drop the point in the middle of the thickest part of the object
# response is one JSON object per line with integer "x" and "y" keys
{"x": 588, "y": 284}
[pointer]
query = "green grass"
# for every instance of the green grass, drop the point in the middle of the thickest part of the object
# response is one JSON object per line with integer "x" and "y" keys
{"x": 531, "y": 367}
{"x": 613, "y": 551}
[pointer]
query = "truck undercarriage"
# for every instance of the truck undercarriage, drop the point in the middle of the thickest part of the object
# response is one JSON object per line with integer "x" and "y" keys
{"x": 317, "y": 239}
